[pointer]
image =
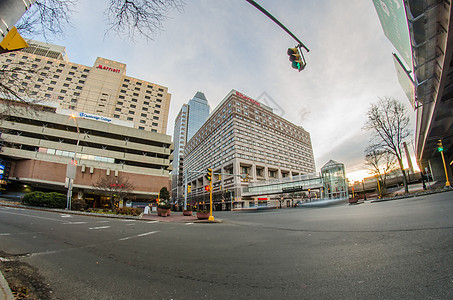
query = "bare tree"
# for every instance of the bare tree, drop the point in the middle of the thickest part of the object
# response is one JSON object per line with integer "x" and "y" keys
{"x": 389, "y": 125}
{"x": 116, "y": 187}
{"x": 380, "y": 163}
{"x": 127, "y": 18}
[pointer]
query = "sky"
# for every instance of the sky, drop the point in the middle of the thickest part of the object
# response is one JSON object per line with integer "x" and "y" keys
{"x": 215, "y": 46}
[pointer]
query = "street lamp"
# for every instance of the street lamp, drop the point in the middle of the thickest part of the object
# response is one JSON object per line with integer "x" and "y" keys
{"x": 72, "y": 166}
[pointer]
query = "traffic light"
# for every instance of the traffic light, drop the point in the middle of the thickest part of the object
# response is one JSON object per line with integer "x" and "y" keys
{"x": 247, "y": 177}
{"x": 206, "y": 187}
{"x": 296, "y": 59}
{"x": 220, "y": 177}
{"x": 209, "y": 174}
{"x": 440, "y": 148}
{"x": 189, "y": 188}
{"x": 74, "y": 161}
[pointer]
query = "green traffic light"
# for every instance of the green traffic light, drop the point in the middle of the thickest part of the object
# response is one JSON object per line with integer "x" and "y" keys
{"x": 440, "y": 149}
{"x": 296, "y": 65}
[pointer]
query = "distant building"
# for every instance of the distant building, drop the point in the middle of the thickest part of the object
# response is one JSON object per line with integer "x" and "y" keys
{"x": 244, "y": 137}
{"x": 190, "y": 118}
{"x": 103, "y": 89}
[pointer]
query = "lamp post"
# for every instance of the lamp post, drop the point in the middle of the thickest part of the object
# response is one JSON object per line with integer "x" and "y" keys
{"x": 73, "y": 166}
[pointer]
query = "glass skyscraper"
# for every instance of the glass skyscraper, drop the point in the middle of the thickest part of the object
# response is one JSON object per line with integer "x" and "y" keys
{"x": 198, "y": 114}
{"x": 190, "y": 118}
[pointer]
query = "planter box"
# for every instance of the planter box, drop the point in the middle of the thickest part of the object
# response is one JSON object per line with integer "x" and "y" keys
{"x": 187, "y": 212}
{"x": 203, "y": 215}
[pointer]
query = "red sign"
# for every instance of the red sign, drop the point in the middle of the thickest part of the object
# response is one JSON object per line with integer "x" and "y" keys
{"x": 247, "y": 98}
{"x": 108, "y": 69}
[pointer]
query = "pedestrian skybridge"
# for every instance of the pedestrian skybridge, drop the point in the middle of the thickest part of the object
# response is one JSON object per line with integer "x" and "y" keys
{"x": 284, "y": 185}
{"x": 331, "y": 183}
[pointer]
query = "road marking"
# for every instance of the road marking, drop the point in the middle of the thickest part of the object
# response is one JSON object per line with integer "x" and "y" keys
{"x": 74, "y": 223}
{"x": 130, "y": 224}
{"x": 11, "y": 213}
{"x": 100, "y": 227}
{"x": 65, "y": 216}
{"x": 189, "y": 223}
{"x": 152, "y": 222}
{"x": 128, "y": 220}
{"x": 138, "y": 235}
{"x": 103, "y": 221}
{"x": 5, "y": 233}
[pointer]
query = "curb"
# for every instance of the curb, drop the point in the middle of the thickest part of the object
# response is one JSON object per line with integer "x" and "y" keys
{"x": 414, "y": 195}
{"x": 5, "y": 293}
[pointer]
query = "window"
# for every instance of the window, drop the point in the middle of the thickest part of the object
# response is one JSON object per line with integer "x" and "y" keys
{"x": 141, "y": 127}
{"x": 78, "y": 87}
{"x": 49, "y": 62}
{"x": 56, "y": 76}
{"x": 130, "y": 119}
{"x": 119, "y": 103}
{"x": 71, "y": 73}
{"x": 143, "y": 115}
{"x": 126, "y": 80}
{"x": 62, "y": 65}
{"x": 82, "y": 81}
{"x": 37, "y": 86}
{"x": 146, "y": 103}
{"x": 117, "y": 109}
{"x": 122, "y": 91}
{"x": 134, "y": 100}
{"x": 137, "y": 89}
{"x": 66, "y": 85}
{"x": 145, "y": 108}
{"x": 156, "y": 112}
{"x": 116, "y": 116}
{"x": 143, "y": 121}
{"x": 135, "y": 94}
{"x": 125, "y": 85}
{"x": 131, "y": 112}
{"x": 76, "y": 94}
{"x": 156, "y": 118}
{"x": 74, "y": 68}
{"x": 59, "y": 70}
{"x": 50, "y": 88}
{"x": 60, "y": 98}
{"x": 121, "y": 97}
{"x": 63, "y": 91}
{"x": 155, "y": 124}
{"x": 84, "y": 76}
{"x": 133, "y": 106}
{"x": 74, "y": 100}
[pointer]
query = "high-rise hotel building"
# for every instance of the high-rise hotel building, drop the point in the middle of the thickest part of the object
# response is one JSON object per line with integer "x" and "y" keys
{"x": 103, "y": 89}
{"x": 120, "y": 126}
{"x": 244, "y": 141}
{"x": 190, "y": 118}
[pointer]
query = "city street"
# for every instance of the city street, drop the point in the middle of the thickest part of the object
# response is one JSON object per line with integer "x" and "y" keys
{"x": 401, "y": 249}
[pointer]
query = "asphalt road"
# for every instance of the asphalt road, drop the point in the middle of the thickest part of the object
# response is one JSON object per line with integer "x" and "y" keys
{"x": 400, "y": 249}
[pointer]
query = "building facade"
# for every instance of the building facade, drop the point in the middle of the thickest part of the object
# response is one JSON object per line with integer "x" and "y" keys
{"x": 38, "y": 147}
{"x": 243, "y": 141}
{"x": 103, "y": 89}
{"x": 190, "y": 118}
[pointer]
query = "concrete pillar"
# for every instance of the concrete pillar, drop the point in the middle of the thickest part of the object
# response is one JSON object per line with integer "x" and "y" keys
{"x": 437, "y": 168}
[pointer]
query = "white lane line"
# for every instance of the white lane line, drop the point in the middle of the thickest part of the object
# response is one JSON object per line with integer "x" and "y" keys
{"x": 189, "y": 223}
{"x": 100, "y": 227}
{"x": 11, "y": 213}
{"x": 128, "y": 220}
{"x": 65, "y": 216}
{"x": 5, "y": 233}
{"x": 138, "y": 235}
{"x": 152, "y": 222}
{"x": 74, "y": 223}
{"x": 103, "y": 221}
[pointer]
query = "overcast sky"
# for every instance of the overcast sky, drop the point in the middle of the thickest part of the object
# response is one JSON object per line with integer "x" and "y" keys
{"x": 214, "y": 46}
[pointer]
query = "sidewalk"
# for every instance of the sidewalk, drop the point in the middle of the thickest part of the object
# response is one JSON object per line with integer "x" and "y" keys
{"x": 177, "y": 217}
{"x": 5, "y": 291}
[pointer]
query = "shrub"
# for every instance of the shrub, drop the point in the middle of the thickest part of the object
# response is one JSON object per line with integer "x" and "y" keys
{"x": 51, "y": 200}
{"x": 130, "y": 211}
{"x": 78, "y": 204}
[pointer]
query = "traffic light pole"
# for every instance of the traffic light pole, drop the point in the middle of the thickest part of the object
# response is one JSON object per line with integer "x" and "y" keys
{"x": 256, "y": 5}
